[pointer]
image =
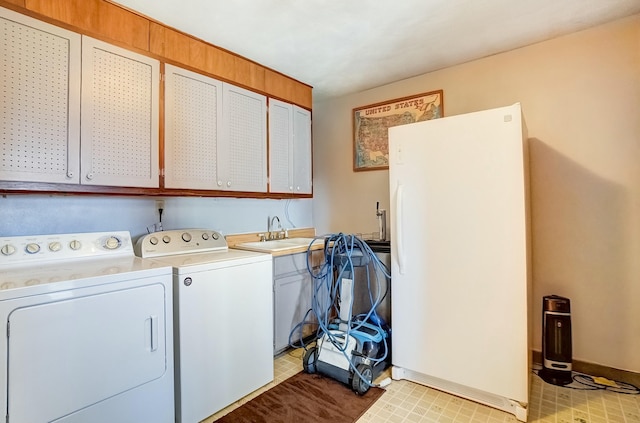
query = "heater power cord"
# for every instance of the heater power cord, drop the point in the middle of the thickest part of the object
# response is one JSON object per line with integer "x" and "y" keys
{"x": 585, "y": 382}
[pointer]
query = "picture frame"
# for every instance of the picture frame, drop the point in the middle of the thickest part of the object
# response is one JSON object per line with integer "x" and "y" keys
{"x": 371, "y": 125}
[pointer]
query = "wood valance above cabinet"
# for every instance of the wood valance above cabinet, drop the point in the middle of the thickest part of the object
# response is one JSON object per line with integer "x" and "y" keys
{"x": 118, "y": 25}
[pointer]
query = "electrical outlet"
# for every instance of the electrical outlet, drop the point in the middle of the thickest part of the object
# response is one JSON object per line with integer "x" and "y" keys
{"x": 159, "y": 203}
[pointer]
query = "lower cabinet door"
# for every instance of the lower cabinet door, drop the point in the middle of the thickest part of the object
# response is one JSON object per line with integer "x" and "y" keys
{"x": 292, "y": 301}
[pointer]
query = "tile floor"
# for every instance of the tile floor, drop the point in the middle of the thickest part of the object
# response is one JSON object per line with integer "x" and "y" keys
{"x": 407, "y": 402}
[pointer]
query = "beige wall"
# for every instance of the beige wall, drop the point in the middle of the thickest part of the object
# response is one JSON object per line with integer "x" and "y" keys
{"x": 581, "y": 100}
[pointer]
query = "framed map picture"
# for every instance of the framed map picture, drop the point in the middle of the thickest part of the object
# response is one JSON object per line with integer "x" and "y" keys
{"x": 371, "y": 124}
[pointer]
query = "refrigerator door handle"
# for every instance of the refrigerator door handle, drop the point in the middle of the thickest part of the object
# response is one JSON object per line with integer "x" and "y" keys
{"x": 399, "y": 230}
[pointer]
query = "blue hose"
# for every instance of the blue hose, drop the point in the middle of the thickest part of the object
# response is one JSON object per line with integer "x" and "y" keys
{"x": 340, "y": 252}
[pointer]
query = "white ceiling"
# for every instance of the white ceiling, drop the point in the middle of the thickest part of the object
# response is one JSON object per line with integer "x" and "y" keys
{"x": 346, "y": 46}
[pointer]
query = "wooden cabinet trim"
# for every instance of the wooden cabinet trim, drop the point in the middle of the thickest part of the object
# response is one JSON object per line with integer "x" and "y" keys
{"x": 19, "y": 3}
{"x": 10, "y": 187}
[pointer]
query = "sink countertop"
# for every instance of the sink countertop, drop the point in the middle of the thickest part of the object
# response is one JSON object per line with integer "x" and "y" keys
{"x": 283, "y": 252}
{"x": 235, "y": 239}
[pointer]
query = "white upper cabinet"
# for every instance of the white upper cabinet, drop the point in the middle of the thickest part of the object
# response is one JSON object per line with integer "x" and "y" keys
{"x": 243, "y": 152}
{"x": 289, "y": 148}
{"x": 193, "y": 116}
{"x": 302, "y": 155}
{"x": 74, "y": 109}
{"x": 77, "y": 110}
{"x": 120, "y": 118}
{"x": 39, "y": 101}
{"x": 280, "y": 146}
{"x": 215, "y": 134}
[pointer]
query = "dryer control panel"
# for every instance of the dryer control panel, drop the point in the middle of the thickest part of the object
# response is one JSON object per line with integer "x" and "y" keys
{"x": 180, "y": 241}
{"x": 39, "y": 248}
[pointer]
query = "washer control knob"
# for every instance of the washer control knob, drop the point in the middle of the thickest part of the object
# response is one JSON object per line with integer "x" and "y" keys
{"x": 55, "y": 246}
{"x": 205, "y": 236}
{"x": 186, "y": 237}
{"x": 166, "y": 239}
{"x": 215, "y": 236}
{"x": 153, "y": 240}
{"x": 7, "y": 249}
{"x": 32, "y": 248}
{"x": 75, "y": 245}
{"x": 112, "y": 243}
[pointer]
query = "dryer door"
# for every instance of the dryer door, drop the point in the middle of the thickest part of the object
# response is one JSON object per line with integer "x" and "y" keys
{"x": 67, "y": 355}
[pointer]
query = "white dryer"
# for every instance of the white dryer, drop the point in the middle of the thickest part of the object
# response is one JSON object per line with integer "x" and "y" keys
{"x": 88, "y": 331}
{"x": 223, "y": 311}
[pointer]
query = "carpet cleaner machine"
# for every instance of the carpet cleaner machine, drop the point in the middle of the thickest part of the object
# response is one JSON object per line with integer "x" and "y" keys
{"x": 353, "y": 349}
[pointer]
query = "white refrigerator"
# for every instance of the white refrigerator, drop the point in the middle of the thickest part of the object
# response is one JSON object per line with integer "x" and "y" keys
{"x": 460, "y": 261}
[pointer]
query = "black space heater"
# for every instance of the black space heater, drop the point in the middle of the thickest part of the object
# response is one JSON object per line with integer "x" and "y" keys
{"x": 556, "y": 340}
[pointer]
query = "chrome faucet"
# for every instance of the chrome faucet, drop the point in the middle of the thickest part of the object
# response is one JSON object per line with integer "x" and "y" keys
{"x": 270, "y": 227}
{"x": 381, "y": 214}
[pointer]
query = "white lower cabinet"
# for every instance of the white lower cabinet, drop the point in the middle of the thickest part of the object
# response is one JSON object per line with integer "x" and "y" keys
{"x": 293, "y": 290}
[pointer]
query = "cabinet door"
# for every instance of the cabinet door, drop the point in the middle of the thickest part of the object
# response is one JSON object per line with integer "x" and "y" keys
{"x": 302, "y": 150}
{"x": 193, "y": 116}
{"x": 120, "y": 97}
{"x": 242, "y": 156}
{"x": 40, "y": 101}
{"x": 292, "y": 299}
{"x": 293, "y": 292}
{"x": 280, "y": 146}
{"x": 289, "y": 148}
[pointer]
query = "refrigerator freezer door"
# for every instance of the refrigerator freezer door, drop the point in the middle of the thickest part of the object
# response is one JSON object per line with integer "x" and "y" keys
{"x": 459, "y": 262}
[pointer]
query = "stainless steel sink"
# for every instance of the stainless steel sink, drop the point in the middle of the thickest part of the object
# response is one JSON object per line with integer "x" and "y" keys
{"x": 279, "y": 244}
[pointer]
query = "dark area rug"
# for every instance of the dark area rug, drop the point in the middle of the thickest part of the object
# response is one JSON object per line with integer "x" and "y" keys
{"x": 305, "y": 398}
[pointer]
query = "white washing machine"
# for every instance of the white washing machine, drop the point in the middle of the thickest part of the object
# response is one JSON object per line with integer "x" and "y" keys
{"x": 89, "y": 331}
{"x": 223, "y": 318}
